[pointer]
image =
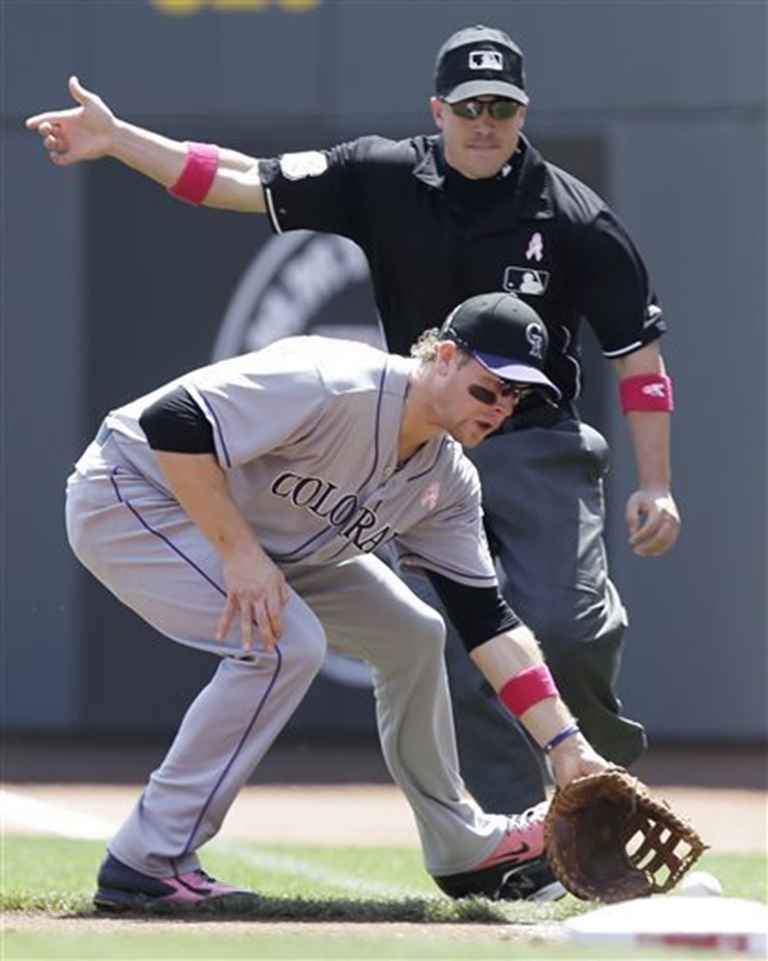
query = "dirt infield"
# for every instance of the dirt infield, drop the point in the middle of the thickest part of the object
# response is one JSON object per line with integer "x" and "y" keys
{"x": 459, "y": 934}
{"x": 731, "y": 820}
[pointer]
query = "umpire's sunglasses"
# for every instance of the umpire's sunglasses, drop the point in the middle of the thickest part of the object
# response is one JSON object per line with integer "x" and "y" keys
{"x": 498, "y": 109}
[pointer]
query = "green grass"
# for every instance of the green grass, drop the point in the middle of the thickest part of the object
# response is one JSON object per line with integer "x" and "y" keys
{"x": 55, "y": 877}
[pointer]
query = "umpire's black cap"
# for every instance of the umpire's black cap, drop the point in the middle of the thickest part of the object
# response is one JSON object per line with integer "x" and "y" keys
{"x": 480, "y": 61}
{"x": 505, "y": 335}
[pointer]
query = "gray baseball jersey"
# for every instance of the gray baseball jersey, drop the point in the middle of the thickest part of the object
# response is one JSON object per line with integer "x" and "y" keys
{"x": 307, "y": 430}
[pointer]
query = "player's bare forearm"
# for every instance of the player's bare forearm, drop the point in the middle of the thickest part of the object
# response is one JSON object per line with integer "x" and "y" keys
{"x": 201, "y": 487}
{"x": 505, "y": 656}
{"x": 652, "y": 517}
{"x": 256, "y": 588}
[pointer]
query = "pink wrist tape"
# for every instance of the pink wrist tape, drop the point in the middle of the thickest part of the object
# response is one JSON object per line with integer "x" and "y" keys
{"x": 528, "y": 688}
{"x": 646, "y": 392}
{"x": 197, "y": 176}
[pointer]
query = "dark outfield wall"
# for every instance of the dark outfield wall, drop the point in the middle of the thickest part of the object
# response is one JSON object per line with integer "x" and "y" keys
{"x": 110, "y": 287}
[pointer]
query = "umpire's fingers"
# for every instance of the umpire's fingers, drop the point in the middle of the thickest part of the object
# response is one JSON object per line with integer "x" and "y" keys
{"x": 49, "y": 117}
{"x": 53, "y": 135}
{"x": 78, "y": 92}
{"x": 654, "y": 530}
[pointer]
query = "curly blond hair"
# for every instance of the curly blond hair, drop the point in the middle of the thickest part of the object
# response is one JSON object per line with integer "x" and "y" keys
{"x": 425, "y": 348}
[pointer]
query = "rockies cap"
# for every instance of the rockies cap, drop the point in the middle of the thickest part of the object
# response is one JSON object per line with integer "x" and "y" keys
{"x": 505, "y": 335}
{"x": 480, "y": 61}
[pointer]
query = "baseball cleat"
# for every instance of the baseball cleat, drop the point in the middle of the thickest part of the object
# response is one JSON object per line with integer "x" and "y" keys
{"x": 122, "y": 889}
{"x": 531, "y": 881}
{"x": 516, "y": 870}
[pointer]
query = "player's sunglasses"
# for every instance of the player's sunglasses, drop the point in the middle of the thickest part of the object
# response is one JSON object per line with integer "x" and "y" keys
{"x": 491, "y": 397}
{"x": 499, "y": 109}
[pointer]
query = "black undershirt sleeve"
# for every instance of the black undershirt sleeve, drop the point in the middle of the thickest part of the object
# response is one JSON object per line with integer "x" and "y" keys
{"x": 477, "y": 613}
{"x": 174, "y": 422}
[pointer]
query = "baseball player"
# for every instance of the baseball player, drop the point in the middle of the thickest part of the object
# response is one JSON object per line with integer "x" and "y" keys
{"x": 238, "y": 510}
{"x": 441, "y": 218}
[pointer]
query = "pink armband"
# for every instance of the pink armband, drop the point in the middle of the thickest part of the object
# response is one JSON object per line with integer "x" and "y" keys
{"x": 528, "y": 688}
{"x": 197, "y": 176}
{"x": 646, "y": 392}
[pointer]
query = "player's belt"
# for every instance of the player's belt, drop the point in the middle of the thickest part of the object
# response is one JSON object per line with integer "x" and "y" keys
{"x": 545, "y": 415}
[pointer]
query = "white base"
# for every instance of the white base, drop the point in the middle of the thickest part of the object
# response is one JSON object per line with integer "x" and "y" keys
{"x": 729, "y": 924}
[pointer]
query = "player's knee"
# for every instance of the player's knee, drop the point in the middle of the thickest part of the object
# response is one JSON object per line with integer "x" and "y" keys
{"x": 313, "y": 648}
{"x": 429, "y": 639}
{"x": 79, "y": 541}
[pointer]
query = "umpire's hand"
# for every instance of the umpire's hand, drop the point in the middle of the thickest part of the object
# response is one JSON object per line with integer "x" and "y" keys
{"x": 653, "y": 522}
{"x": 82, "y": 133}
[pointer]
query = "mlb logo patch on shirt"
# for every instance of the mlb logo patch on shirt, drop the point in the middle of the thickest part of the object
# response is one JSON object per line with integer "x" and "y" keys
{"x": 525, "y": 280}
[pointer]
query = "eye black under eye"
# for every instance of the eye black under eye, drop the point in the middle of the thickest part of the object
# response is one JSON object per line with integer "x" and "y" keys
{"x": 483, "y": 394}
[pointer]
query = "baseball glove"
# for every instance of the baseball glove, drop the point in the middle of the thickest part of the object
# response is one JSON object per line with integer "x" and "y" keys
{"x": 607, "y": 839}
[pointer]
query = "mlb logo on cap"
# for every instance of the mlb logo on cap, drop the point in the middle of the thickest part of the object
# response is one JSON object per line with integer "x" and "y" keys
{"x": 485, "y": 60}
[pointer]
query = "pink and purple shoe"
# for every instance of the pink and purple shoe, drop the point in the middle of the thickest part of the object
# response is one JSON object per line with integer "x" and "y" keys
{"x": 516, "y": 870}
{"x": 120, "y": 888}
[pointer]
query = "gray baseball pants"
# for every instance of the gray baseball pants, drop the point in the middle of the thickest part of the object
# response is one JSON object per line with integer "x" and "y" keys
{"x": 140, "y": 544}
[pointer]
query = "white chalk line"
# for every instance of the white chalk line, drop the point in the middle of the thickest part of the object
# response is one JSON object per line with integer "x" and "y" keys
{"x": 42, "y": 816}
{"x": 51, "y": 818}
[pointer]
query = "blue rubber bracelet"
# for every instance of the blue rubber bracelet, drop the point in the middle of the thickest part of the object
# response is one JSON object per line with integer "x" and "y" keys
{"x": 559, "y": 738}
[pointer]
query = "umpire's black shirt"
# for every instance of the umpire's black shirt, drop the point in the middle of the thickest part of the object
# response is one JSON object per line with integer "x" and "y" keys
{"x": 434, "y": 238}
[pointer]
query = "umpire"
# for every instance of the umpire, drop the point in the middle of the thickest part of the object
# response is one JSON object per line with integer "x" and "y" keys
{"x": 476, "y": 208}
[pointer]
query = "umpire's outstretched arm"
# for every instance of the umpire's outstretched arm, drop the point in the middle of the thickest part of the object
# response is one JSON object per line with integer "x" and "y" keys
{"x": 91, "y": 131}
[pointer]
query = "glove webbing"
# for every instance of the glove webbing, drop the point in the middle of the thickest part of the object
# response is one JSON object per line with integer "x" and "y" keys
{"x": 660, "y": 847}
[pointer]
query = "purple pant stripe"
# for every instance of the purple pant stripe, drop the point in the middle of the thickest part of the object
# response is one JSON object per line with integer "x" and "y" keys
{"x": 259, "y": 707}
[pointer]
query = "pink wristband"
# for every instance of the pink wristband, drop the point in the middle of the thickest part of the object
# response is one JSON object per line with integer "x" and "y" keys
{"x": 527, "y": 688}
{"x": 646, "y": 392}
{"x": 197, "y": 176}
